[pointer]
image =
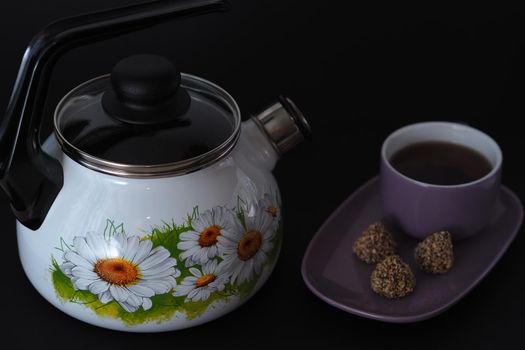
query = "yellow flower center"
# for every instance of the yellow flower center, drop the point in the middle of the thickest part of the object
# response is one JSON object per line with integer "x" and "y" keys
{"x": 117, "y": 271}
{"x": 272, "y": 211}
{"x": 205, "y": 280}
{"x": 249, "y": 245}
{"x": 208, "y": 236}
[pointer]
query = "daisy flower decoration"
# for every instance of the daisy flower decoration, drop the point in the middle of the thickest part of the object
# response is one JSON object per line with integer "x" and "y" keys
{"x": 202, "y": 283}
{"x": 270, "y": 205}
{"x": 244, "y": 250}
{"x": 200, "y": 244}
{"x": 125, "y": 269}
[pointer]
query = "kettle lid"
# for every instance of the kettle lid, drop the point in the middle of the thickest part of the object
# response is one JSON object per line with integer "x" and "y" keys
{"x": 147, "y": 119}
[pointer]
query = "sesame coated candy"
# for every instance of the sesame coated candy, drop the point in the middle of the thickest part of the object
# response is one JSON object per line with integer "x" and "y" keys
{"x": 374, "y": 244}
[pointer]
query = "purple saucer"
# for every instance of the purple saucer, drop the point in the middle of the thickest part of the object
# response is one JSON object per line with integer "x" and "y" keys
{"x": 334, "y": 274}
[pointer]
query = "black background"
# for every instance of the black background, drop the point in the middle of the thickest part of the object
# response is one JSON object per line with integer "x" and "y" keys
{"x": 358, "y": 73}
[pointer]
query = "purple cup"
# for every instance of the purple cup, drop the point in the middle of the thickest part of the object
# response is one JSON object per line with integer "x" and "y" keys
{"x": 419, "y": 208}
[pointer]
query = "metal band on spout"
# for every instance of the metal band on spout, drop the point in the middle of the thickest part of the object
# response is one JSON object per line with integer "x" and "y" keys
{"x": 284, "y": 124}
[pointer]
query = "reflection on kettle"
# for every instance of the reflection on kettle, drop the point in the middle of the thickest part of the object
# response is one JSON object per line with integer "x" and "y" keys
{"x": 154, "y": 205}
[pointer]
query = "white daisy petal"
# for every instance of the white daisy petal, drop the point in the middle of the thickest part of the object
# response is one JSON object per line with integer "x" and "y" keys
{"x": 182, "y": 290}
{"x": 81, "y": 283}
{"x": 205, "y": 294}
{"x": 98, "y": 287}
{"x": 258, "y": 267}
{"x": 227, "y": 241}
{"x": 266, "y": 223}
{"x": 67, "y": 265}
{"x": 267, "y": 246}
{"x": 214, "y": 214}
{"x": 179, "y": 293}
{"x": 189, "y": 236}
{"x": 209, "y": 267}
{"x": 212, "y": 252}
{"x": 268, "y": 234}
{"x": 246, "y": 272}
{"x": 176, "y": 274}
{"x": 142, "y": 251}
{"x": 237, "y": 230}
{"x": 141, "y": 290}
{"x": 192, "y": 294}
{"x": 127, "y": 307}
{"x": 159, "y": 270}
{"x": 134, "y": 300}
{"x": 221, "y": 267}
{"x": 250, "y": 224}
{"x": 77, "y": 259}
{"x": 184, "y": 245}
{"x": 131, "y": 248}
{"x": 156, "y": 256}
{"x": 169, "y": 262}
{"x": 207, "y": 217}
{"x": 66, "y": 268}
{"x": 229, "y": 260}
{"x": 198, "y": 225}
{"x": 157, "y": 286}
{"x": 195, "y": 272}
{"x": 122, "y": 242}
{"x": 120, "y": 294}
{"x": 97, "y": 245}
{"x": 236, "y": 269}
{"x": 105, "y": 297}
{"x": 226, "y": 249}
{"x": 80, "y": 271}
{"x": 198, "y": 295}
{"x": 257, "y": 222}
{"x": 201, "y": 256}
{"x": 152, "y": 274}
{"x": 172, "y": 281}
{"x": 84, "y": 250}
{"x": 189, "y": 280}
{"x": 260, "y": 258}
{"x": 189, "y": 262}
{"x": 146, "y": 304}
{"x": 189, "y": 253}
{"x": 73, "y": 281}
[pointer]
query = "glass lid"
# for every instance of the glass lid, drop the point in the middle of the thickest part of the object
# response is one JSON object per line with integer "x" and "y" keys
{"x": 147, "y": 119}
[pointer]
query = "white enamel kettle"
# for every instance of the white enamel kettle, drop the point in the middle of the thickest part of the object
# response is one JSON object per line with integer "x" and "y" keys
{"x": 152, "y": 207}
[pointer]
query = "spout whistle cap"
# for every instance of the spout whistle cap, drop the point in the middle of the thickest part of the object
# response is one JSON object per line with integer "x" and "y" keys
{"x": 284, "y": 124}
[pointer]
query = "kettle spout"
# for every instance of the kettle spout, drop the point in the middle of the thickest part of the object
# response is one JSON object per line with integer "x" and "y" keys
{"x": 274, "y": 131}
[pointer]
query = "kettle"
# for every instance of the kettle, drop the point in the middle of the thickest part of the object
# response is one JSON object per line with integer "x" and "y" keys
{"x": 151, "y": 207}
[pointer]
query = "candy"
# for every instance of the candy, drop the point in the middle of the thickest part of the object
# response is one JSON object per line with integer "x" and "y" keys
{"x": 435, "y": 254}
{"x": 393, "y": 278}
{"x": 374, "y": 244}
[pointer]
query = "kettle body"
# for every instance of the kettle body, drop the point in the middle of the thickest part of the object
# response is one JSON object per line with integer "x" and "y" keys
{"x": 104, "y": 235}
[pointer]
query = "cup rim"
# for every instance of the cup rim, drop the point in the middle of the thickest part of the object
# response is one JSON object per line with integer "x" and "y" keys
{"x": 495, "y": 169}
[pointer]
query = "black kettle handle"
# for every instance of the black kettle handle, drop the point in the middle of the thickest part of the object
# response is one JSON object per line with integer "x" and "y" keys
{"x": 30, "y": 178}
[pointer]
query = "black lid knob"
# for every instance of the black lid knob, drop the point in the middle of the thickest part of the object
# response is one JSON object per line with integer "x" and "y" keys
{"x": 145, "y": 90}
